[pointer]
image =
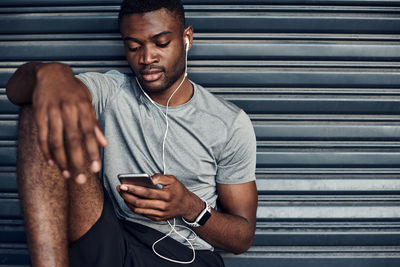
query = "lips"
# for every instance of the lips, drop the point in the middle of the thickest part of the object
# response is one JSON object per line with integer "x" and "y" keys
{"x": 151, "y": 75}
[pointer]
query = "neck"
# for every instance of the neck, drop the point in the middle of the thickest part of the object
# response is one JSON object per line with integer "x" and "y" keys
{"x": 179, "y": 93}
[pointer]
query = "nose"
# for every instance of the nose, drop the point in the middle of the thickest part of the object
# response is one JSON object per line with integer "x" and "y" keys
{"x": 148, "y": 55}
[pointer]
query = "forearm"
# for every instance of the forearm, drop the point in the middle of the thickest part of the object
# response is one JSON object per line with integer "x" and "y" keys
{"x": 233, "y": 228}
{"x": 228, "y": 232}
{"x": 22, "y": 83}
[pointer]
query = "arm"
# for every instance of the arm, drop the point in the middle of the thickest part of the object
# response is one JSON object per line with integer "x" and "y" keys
{"x": 63, "y": 113}
{"x": 231, "y": 230}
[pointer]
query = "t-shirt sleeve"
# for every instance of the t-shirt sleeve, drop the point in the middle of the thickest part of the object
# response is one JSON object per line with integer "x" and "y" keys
{"x": 237, "y": 162}
{"x": 102, "y": 87}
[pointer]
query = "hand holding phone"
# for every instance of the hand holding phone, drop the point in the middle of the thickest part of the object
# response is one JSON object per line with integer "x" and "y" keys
{"x": 141, "y": 179}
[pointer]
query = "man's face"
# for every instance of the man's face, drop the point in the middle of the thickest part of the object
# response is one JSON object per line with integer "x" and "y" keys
{"x": 154, "y": 48}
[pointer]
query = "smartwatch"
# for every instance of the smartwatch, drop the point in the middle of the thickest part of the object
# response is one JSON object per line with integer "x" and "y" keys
{"x": 202, "y": 218}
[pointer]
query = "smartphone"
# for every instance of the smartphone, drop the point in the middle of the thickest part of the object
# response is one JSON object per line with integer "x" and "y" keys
{"x": 142, "y": 179}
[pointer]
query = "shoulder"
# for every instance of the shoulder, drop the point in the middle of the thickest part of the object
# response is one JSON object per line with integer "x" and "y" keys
{"x": 225, "y": 111}
{"x": 97, "y": 79}
{"x": 106, "y": 88}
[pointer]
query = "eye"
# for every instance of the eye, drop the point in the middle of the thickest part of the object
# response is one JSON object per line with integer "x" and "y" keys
{"x": 162, "y": 45}
{"x": 133, "y": 49}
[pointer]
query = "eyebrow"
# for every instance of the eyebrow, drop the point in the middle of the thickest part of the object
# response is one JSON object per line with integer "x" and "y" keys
{"x": 128, "y": 38}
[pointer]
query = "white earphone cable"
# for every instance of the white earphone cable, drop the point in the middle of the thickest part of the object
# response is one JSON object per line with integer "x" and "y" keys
{"x": 173, "y": 226}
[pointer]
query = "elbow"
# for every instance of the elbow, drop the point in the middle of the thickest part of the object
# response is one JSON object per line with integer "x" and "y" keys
{"x": 241, "y": 249}
{"x": 244, "y": 245}
{"x": 246, "y": 239}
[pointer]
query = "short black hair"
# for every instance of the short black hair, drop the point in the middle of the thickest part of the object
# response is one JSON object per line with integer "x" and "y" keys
{"x": 142, "y": 6}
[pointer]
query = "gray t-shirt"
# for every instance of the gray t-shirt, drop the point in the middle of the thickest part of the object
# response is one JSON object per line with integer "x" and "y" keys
{"x": 209, "y": 141}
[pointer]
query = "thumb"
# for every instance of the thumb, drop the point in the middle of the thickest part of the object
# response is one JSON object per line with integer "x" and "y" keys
{"x": 161, "y": 179}
{"x": 100, "y": 136}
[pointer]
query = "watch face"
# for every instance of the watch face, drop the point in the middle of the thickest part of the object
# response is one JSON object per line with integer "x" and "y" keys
{"x": 202, "y": 218}
{"x": 205, "y": 218}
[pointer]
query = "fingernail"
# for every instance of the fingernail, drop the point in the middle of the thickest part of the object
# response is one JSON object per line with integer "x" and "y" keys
{"x": 81, "y": 179}
{"x": 124, "y": 187}
{"x": 95, "y": 166}
{"x": 66, "y": 174}
{"x": 50, "y": 162}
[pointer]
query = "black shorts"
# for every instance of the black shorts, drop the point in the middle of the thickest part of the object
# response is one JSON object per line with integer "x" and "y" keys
{"x": 114, "y": 243}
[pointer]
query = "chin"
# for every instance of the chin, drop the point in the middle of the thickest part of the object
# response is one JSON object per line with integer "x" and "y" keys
{"x": 153, "y": 87}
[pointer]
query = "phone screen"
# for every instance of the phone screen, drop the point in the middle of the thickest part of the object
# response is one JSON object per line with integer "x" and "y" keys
{"x": 141, "y": 179}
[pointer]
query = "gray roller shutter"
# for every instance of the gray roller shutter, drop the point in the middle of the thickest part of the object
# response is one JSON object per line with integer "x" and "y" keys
{"x": 320, "y": 81}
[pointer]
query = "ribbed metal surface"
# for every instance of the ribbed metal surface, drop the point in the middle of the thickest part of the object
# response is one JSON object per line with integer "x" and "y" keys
{"x": 321, "y": 83}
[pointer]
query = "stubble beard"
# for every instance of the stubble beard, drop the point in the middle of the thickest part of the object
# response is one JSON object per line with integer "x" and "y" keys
{"x": 167, "y": 81}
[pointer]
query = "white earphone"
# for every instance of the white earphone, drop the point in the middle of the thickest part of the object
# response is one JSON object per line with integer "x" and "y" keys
{"x": 174, "y": 225}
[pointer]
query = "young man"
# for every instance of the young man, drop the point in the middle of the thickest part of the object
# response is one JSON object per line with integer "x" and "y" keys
{"x": 203, "y": 149}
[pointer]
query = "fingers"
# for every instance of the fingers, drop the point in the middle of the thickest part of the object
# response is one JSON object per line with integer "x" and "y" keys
{"x": 154, "y": 209}
{"x": 156, "y": 204}
{"x": 55, "y": 138}
{"x": 67, "y": 126}
{"x": 101, "y": 139}
{"x": 154, "y": 215}
{"x": 42, "y": 124}
{"x": 88, "y": 126}
{"x": 100, "y": 136}
{"x": 142, "y": 204}
{"x": 145, "y": 192}
{"x": 73, "y": 140}
{"x": 68, "y": 136}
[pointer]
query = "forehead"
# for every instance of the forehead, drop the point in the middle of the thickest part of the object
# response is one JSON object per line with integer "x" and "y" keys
{"x": 150, "y": 23}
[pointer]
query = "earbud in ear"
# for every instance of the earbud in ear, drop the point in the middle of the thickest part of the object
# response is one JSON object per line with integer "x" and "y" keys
{"x": 187, "y": 44}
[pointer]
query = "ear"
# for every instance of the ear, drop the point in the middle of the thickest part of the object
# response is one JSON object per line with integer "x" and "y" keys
{"x": 188, "y": 36}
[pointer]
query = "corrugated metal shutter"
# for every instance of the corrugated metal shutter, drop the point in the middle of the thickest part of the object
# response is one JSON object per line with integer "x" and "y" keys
{"x": 320, "y": 80}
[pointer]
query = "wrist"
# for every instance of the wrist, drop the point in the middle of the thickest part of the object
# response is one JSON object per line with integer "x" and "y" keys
{"x": 195, "y": 208}
{"x": 42, "y": 70}
{"x": 37, "y": 66}
{"x": 202, "y": 218}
